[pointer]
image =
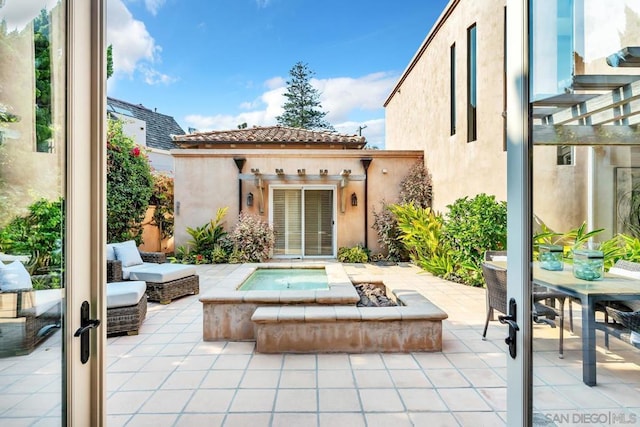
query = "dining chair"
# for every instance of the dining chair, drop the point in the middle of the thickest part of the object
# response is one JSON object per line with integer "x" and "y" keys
{"x": 496, "y": 281}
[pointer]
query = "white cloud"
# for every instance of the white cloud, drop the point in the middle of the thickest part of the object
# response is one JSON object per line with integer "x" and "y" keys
{"x": 18, "y": 13}
{"x": 344, "y": 95}
{"x": 134, "y": 49}
{"x": 263, "y": 3}
{"x": 153, "y": 6}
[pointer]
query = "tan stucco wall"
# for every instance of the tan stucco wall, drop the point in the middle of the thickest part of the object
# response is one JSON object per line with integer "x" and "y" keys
{"x": 206, "y": 180}
{"x": 418, "y": 118}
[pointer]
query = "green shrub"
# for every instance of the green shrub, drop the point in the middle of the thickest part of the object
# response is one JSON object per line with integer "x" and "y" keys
{"x": 162, "y": 198}
{"x": 471, "y": 227}
{"x": 207, "y": 242}
{"x": 38, "y": 234}
{"x": 252, "y": 238}
{"x": 421, "y": 231}
{"x": 389, "y": 235}
{"x": 129, "y": 186}
{"x": 356, "y": 254}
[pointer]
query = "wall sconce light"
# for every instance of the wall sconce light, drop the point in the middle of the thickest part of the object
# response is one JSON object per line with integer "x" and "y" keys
{"x": 324, "y": 172}
{"x": 280, "y": 172}
{"x": 354, "y": 200}
{"x": 301, "y": 172}
{"x": 250, "y": 199}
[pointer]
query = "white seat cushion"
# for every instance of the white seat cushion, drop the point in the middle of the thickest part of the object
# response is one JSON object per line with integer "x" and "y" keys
{"x": 45, "y": 299}
{"x": 125, "y": 294}
{"x": 14, "y": 276}
{"x": 160, "y": 273}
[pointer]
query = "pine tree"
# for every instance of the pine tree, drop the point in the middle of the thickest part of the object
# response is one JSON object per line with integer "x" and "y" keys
{"x": 302, "y": 108}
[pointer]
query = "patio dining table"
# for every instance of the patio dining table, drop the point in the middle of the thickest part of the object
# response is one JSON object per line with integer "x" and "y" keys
{"x": 610, "y": 288}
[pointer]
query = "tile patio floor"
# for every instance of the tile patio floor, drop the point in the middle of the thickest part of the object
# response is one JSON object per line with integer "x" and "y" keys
{"x": 167, "y": 376}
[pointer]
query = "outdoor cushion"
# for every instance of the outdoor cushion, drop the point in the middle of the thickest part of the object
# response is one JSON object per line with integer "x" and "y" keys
{"x": 125, "y": 294}
{"x": 14, "y": 276}
{"x": 127, "y": 270}
{"x": 160, "y": 273}
{"x": 624, "y": 272}
{"x": 45, "y": 299}
{"x": 111, "y": 253}
{"x": 128, "y": 253}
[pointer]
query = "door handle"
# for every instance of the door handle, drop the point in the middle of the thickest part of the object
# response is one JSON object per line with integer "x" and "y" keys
{"x": 510, "y": 319}
{"x": 86, "y": 324}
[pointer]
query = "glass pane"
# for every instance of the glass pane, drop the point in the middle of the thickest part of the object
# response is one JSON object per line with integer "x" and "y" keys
{"x": 32, "y": 153}
{"x": 585, "y": 70}
{"x": 318, "y": 218}
{"x": 287, "y": 221}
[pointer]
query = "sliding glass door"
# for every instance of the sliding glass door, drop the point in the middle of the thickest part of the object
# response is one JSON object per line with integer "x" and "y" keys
{"x": 302, "y": 219}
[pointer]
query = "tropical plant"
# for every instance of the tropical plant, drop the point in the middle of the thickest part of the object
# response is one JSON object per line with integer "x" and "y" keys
{"x": 252, "y": 238}
{"x": 206, "y": 243}
{"x": 389, "y": 235}
{"x": 302, "y": 108}
{"x": 37, "y": 234}
{"x": 355, "y": 254}
{"x": 129, "y": 186}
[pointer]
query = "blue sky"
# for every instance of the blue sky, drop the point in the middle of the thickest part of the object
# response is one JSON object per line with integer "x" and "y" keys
{"x": 213, "y": 64}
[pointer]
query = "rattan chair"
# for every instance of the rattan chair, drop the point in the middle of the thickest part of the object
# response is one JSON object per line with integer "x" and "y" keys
{"x": 496, "y": 281}
{"x": 123, "y": 319}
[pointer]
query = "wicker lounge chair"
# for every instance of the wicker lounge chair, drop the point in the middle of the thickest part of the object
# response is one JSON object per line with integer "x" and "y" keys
{"x": 496, "y": 281}
{"x": 27, "y": 318}
{"x": 124, "y": 318}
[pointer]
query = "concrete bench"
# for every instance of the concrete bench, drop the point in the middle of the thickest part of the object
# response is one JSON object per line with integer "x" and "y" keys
{"x": 416, "y": 326}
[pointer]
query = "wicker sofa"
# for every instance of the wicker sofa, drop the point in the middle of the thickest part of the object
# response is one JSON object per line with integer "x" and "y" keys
{"x": 165, "y": 281}
{"x": 126, "y": 302}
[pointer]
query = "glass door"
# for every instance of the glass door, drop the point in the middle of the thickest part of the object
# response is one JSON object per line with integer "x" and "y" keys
{"x": 47, "y": 243}
{"x": 573, "y": 162}
{"x": 302, "y": 220}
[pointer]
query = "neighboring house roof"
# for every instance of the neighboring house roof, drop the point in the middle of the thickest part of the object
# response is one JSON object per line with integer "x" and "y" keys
{"x": 159, "y": 127}
{"x": 270, "y": 137}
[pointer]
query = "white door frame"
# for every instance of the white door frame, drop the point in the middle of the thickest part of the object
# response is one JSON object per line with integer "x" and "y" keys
{"x": 519, "y": 214}
{"x": 303, "y": 188}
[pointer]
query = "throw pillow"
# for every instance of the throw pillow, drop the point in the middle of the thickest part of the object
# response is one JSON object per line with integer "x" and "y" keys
{"x": 110, "y": 252}
{"x": 128, "y": 253}
{"x": 14, "y": 276}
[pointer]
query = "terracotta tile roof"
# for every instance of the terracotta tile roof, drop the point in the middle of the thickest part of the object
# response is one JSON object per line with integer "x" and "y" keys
{"x": 270, "y": 135}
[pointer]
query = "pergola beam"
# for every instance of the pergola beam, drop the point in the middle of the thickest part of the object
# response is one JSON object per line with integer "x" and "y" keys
{"x": 585, "y": 135}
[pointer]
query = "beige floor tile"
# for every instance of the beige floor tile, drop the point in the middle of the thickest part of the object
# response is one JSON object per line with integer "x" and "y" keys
{"x": 294, "y": 419}
{"x": 231, "y": 361}
{"x": 196, "y": 363}
{"x": 334, "y": 379}
{"x": 192, "y": 420}
{"x": 409, "y": 378}
{"x": 296, "y": 400}
{"x": 441, "y": 378}
{"x": 300, "y": 361}
{"x": 266, "y": 361}
{"x": 144, "y": 381}
{"x": 186, "y": 380}
{"x": 298, "y": 379}
{"x": 222, "y": 379}
{"x": 466, "y": 360}
{"x": 422, "y": 400}
{"x": 479, "y": 419}
{"x": 373, "y": 378}
{"x": 243, "y": 347}
{"x": 162, "y": 363}
{"x": 463, "y": 399}
{"x": 166, "y": 401}
{"x": 118, "y": 420}
{"x": 129, "y": 364}
{"x": 210, "y": 401}
{"x": 253, "y": 400}
{"x": 399, "y": 419}
{"x": 341, "y": 419}
{"x": 244, "y": 420}
{"x": 333, "y": 361}
{"x": 339, "y": 400}
{"x": 496, "y": 397}
{"x": 433, "y": 419}
{"x": 366, "y": 361}
{"x": 399, "y": 361}
{"x": 153, "y": 420}
{"x": 260, "y": 379}
{"x": 547, "y": 398}
{"x": 483, "y": 377}
{"x": 127, "y": 402}
{"x": 432, "y": 360}
{"x": 380, "y": 400}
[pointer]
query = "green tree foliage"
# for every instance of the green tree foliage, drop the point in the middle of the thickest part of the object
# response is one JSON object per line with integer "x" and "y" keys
{"x": 109, "y": 60}
{"x": 38, "y": 234}
{"x": 129, "y": 186}
{"x": 162, "y": 198}
{"x": 302, "y": 108}
{"x": 42, "y": 52}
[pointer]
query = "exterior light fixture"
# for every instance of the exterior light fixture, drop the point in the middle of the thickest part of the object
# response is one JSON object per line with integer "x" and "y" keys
{"x": 354, "y": 200}
{"x": 250, "y": 199}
